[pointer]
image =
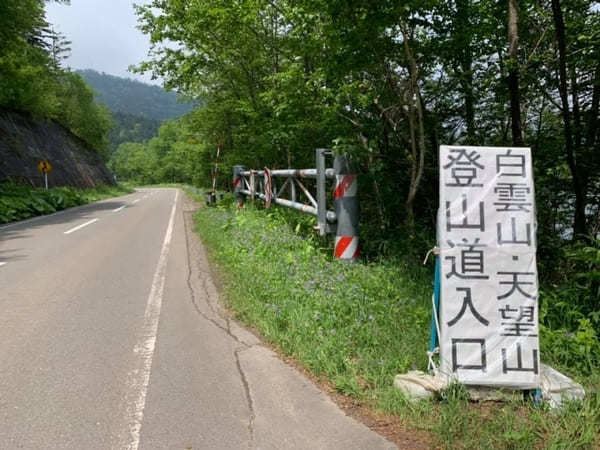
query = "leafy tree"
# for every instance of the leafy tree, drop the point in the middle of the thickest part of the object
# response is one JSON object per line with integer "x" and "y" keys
{"x": 59, "y": 48}
{"x": 388, "y": 82}
{"x": 132, "y": 128}
{"x": 32, "y": 80}
{"x": 173, "y": 156}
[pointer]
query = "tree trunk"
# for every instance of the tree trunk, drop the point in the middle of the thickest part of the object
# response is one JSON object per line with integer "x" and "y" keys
{"x": 592, "y": 118}
{"x": 579, "y": 223}
{"x": 417, "y": 130}
{"x": 513, "y": 73}
{"x": 465, "y": 56}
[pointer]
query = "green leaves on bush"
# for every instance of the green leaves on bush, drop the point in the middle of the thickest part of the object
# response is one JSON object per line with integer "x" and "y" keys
{"x": 21, "y": 202}
{"x": 570, "y": 312}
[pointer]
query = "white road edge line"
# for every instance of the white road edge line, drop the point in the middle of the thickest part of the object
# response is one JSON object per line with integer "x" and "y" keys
{"x": 120, "y": 208}
{"x": 135, "y": 201}
{"x": 2, "y": 263}
{"x": 139, "y": 378}
{"x": 79, "y": 227}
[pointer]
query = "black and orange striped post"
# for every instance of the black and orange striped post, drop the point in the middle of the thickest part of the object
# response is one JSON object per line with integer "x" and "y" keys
{"x": 347, "y": 210}
{"x": 238, "y": 185}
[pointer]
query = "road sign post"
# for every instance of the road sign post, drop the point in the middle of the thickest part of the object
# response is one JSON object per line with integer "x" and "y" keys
{"x": 45, "y": 167}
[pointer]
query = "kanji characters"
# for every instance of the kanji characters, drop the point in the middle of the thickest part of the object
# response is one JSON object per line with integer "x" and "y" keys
{"x": 463, "y": 167}
{"x": 489, "y": 280}
{"x": 467, "y": 303}
{"x": 471, "y": 261}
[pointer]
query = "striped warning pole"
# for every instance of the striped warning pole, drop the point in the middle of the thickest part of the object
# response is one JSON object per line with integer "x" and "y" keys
{"x": 238, "y": 185}
{"x": 346, "y": 209}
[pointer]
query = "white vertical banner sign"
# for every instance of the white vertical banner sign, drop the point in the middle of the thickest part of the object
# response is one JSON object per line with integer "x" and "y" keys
{"x": 489, "y": 287}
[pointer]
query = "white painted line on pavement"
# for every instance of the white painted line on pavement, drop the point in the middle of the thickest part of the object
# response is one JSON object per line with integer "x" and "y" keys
{"x": 79, "y": 227}
{"x": 143, "y": 351}
{"x": 2, "y": 264}
{"x": 136, "y": 200}
{"x": 120, "y": 208}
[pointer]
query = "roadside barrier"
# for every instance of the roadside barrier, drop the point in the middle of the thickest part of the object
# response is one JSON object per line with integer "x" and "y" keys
{"x": 343, "y": 221}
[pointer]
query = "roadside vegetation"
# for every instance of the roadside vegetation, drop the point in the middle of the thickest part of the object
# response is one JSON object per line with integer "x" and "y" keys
{"x": 19, "y": 202}
{"x": 174, "y": 155}
{"x": 358, "y": 325}
{"x": 33, "y": 80}
{"x": 387, "y": 83}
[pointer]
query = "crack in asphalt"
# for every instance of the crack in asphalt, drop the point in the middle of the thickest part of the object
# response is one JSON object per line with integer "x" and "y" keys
{"x": 227, "y": 328}
{"x": 244, "y": 346}
{"x": 246, "y": 385}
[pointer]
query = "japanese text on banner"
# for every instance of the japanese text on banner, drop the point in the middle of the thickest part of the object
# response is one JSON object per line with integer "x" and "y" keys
{"x": 489, "y": 289}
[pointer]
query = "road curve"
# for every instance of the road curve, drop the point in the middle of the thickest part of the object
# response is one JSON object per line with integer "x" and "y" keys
{"x": 112, "y": 336}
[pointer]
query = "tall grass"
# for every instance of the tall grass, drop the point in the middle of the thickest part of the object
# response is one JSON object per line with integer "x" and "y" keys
{"x": 358, "y": 325}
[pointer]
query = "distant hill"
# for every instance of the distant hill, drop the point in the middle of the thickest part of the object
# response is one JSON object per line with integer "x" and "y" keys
{"x": 132, "y": 128}
{"x": 135, "y": 98}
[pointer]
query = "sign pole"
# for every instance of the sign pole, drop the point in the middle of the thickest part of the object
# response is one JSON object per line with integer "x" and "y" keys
{"x": 46, "y": 179}
{"x": 434, "y": 338}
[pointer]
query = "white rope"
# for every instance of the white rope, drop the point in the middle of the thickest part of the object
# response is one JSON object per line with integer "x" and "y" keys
{"x": 434, "y": 250}
{"x": 431, "y": 366}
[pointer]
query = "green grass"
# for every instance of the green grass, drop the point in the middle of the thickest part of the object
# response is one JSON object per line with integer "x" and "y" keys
{"x": 358, "y": 325}
{"x": 19, "y": 202}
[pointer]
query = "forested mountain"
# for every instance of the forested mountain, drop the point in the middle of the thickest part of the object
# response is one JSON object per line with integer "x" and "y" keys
{"x": 135, "y": 98}
{"x": 132, "y": 128}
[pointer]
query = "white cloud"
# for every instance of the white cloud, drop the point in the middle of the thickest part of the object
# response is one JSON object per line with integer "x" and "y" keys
{"x": 103, "y": 34}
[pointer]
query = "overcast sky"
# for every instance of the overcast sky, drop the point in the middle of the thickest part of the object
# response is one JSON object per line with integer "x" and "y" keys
{"x": 103, "y": 34}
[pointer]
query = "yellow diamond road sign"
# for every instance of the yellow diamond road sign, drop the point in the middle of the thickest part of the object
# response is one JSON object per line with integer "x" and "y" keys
{"x": 44, "y": 166}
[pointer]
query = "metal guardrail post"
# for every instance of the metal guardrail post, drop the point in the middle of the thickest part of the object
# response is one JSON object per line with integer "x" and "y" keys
{"x": 245, "y": 184}
{"x": 321, "y": 193}
{"x": 346, "y": 209}
{"x": 293, "y": 188}
{"x": 238, "y": 185}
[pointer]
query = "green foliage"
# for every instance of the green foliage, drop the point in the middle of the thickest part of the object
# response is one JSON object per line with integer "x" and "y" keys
{"x": 132, "y": 97}
{"x": 173, "y": 156}
{"x": 19, "y": 202}
{"x": 132, "y": 128}
{"x": 570, "y": 313}
{"x": 279, "y": 79}
{"x": 32, "y": 80}
{"x": 77, "y": 111}
{"x": 358, "y": 325}
{"x": 353, "y": 323}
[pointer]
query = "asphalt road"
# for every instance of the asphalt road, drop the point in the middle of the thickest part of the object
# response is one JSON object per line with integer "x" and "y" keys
{"x": 112, "y": 336}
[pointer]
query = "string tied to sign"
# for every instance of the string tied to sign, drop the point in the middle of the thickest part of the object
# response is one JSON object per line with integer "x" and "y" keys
{"x": 431, "y": 366}
{"x": 435, "y": 250}
{"x": 433, "y": 350}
